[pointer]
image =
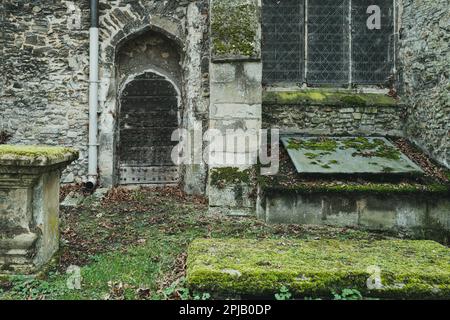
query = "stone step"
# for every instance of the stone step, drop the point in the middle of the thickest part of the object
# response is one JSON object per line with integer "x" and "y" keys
{"x": 383, "y": 269}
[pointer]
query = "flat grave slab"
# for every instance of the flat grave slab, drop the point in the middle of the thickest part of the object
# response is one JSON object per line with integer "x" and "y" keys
{"x": 348, "y": 155}
{"x": 386, "y": 268}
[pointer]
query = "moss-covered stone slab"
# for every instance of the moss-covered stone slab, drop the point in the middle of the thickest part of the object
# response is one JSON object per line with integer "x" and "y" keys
{"x": 31, "y": 155}
{"x": 388, "y": 268}
{"x": 349, "y": 156}
{"x": 328, "y": 97}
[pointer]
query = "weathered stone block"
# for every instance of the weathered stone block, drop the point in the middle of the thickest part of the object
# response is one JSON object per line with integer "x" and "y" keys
{"x": 239, "y": 91}
{"x": 235, "y": 196}
{"x": 253, "y": 125}
{"x": 222, "y": 72}
{"x": 221, "y": 159}
{"x": 29, "y": 206}
{"x": 235, "y": 111}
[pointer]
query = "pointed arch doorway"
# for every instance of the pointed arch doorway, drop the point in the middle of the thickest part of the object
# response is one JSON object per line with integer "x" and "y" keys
{"x": 149, "y": 114}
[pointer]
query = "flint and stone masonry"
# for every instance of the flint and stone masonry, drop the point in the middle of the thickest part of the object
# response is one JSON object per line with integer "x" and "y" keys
{"x": 424, "y": 60}
{"x": 29, "y": 205}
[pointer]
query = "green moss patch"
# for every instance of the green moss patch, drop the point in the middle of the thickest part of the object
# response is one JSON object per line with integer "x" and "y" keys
{"x": 327, "y": 97}
{"x": 313, "y": 144}
{"x": 362, "y": 145}
{"x": 33, "y": 152}
{"x": 233, "y": 28}
{"x": 407, "y": 269}
{"x": 375, "y": 148}
{"x": 221, "y": 177}
{"x": 285, "y": 184}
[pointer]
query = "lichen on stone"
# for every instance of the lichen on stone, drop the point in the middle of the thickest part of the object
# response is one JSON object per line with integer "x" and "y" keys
{"x": 234, "y": 25}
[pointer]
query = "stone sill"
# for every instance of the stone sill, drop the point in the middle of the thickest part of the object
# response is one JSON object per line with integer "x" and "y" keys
{"x": 35, "y": 156}
{"x": 235, "y": 59}
{"x": 324, "y": 97}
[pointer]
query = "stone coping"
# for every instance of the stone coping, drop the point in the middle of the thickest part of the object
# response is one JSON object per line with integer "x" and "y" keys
{"x": 35, "y": 156}
{"x": 325, "y": 187}
{"x": 328, "y": 98}
{"x": 401, "y": 268}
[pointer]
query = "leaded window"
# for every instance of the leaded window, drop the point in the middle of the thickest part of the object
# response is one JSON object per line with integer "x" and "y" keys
{"x": 321, "y": 42}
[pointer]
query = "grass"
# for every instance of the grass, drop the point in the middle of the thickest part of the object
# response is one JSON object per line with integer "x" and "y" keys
{"x": 133, "y": 246}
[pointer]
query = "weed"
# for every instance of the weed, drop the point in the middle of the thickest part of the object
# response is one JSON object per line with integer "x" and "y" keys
{"x": 347, "y": 294}
{"x": 283, "y": 294}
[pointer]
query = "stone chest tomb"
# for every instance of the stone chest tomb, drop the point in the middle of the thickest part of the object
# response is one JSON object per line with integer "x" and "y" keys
{"x": 29, "y": 205}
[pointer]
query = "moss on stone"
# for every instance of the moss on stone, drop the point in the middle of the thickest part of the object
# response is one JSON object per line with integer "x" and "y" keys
{"x": 220, "y": 177}
{"x": 283, "y": 184}
{"x": 233, "y": 28}
{"x": 313, "y": 144}
{"x": 327, "y": 97}
{"x": 409, "y": 269}
{"x": 376, "y": 148}
{"x": 354, "y": 101}
{"x": 34, "y": 152}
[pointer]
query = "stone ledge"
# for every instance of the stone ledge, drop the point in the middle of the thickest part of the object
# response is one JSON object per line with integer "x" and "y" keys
{"x": 279, "y": 185}
{"x": 408, "y": 269}
{"x": 322, "y": 97}
{"x": 35, "y": 156}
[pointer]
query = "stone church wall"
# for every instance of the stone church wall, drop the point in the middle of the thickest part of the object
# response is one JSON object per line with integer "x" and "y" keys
{"x": 44, "y": 70}
{"x": 424, "y": 58}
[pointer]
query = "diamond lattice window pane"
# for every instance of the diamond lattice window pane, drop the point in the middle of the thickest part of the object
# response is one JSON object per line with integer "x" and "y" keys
{"x": 283, "y": 32}
{"x": 328, "y": 42}
{"x": 372, "y": 50}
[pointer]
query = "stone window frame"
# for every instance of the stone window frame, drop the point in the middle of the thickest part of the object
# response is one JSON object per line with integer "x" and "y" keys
{"x": 365, "y": 86}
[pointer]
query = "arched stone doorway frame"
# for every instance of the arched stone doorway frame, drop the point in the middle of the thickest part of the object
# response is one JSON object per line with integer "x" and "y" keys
{"x": 123, "y": 85}
{"x": 110, "y": 86}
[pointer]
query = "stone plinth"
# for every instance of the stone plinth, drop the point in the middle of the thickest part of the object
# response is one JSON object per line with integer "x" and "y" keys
{"x": 29, "y": 205}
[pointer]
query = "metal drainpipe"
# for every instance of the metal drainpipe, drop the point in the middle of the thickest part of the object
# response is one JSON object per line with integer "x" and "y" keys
{"x": 93, "y": 96}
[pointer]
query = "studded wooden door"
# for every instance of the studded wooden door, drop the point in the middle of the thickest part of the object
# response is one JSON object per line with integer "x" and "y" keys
{"x": 148, "y": 116}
